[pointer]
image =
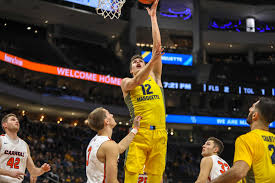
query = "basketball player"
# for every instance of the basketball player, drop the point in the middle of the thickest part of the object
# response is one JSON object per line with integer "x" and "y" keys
{"x": 15, "y": 154}
{"x": 254, "y": 159}
{"x": 102, "y": 153}
{"x": 143, "y": 94}
{"x": 211, "y": 164}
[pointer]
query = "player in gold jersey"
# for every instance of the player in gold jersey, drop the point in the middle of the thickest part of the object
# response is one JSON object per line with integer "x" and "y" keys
{"x": 254, "y": 159}
{"x": 143, "y": 94}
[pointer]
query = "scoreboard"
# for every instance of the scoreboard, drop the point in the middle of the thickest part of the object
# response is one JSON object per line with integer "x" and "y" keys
{"x": 218, "y": 88}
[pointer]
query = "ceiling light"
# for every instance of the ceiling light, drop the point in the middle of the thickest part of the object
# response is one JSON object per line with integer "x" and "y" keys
{"x": 35, "y": 31}
{"x": 230, "y": 45}
{"x": 208, "y": 44}
{"x": 29, "y": 28}
{"x": 46, "y": 21}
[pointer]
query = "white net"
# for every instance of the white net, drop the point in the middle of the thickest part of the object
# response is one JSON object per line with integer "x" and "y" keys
{"x": 110, "y": 8}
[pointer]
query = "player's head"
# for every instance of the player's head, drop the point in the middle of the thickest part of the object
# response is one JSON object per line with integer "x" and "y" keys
{"x": 136, "y": 64}
{"x": 100, "y": 118}
{"x": 212, "y": 146}
{"x": 10, "y": 123}
{"x": 262, "y": 110}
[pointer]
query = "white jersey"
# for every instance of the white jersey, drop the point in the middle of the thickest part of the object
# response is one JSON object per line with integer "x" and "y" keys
{"x": 13, "y": 156}
{"x": 95, "y": 169}
{"x": 219, "y": 167}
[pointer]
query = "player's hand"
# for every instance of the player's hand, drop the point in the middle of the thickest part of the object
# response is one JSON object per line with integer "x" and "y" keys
{"x": 157, "y": 52}
{"x": 45, "y": 167}
{"x": 152, "y": 11}
{"x": 136, "y": 122}
{"x": 17, "y": 174}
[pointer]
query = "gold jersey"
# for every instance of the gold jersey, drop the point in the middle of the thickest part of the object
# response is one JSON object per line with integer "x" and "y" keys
{"x": 147, "y": 100}
{"x": 257, "y": 149}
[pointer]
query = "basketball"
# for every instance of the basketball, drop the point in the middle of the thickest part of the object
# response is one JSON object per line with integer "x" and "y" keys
{"x": 146, "y": 1}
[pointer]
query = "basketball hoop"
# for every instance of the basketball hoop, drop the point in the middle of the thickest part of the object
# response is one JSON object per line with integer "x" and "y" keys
{"x": 110, "y": 8}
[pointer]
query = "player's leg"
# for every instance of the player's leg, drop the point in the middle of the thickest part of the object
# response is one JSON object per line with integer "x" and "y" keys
{"x": 153, "y": 178}
{"x": 155, "y": 164}
{"x": 135, "y": 158}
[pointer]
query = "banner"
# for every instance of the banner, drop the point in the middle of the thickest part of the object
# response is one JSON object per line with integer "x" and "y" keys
{"x": 59, "y": 71}
{"x": 207, "y": 120}
{"x": 170, "y": 58}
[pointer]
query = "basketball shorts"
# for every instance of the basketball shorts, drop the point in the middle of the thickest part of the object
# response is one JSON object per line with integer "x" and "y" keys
{"x": 148, "y": 148}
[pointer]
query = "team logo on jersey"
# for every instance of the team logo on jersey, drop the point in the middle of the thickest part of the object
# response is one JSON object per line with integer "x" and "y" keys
{"x": 16, "y": 153}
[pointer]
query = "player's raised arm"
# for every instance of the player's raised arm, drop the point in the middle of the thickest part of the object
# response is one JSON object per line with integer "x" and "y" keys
{"x": 111, "y": 151}
{"x": 205, "y": 168}
{"x": 128, "y": 84}
{"x": 35, "y": 171}
{"x": 157, "y": 70}
{"x": 125, "y": 142}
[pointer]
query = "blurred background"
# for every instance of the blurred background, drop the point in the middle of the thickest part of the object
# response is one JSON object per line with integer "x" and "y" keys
{"x": 59, "y": 60}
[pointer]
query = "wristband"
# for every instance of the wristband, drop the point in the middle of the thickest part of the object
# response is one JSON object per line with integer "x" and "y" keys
{"x": 134, "y": 130}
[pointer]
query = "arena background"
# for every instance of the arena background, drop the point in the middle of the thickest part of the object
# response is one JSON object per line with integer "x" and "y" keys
{"x": 84, "y": 56}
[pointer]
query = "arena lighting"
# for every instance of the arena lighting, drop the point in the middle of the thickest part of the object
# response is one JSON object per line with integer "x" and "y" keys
{"x": 72, "y": 113}
{"x": 29, "y": 28}
{"x": 250, "y": 24}
{"x": 46, "y": 21}
{"x": 41, "y": 109}
{"x": 60, "y": 119}
{"x": 35, "y": 31}
{"x": 23, "y": 113}
{"x": 127, "y": 124}
{"x": 5, "y": 24}
{"x": 75, "y": 123}
{"x": 186, "y": 14}
{"x": 120, "y": 123}
{"x": 17, "y": 105}
{"x": 58, "y": 122}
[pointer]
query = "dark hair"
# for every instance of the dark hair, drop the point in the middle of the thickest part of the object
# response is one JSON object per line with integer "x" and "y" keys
{"x": 5, "y": 118}
{"x": 133, "y": 58}
{"x": 266, "y": 107}
{"x": 218, "y": 143}
{"x": 96, "y": 119}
